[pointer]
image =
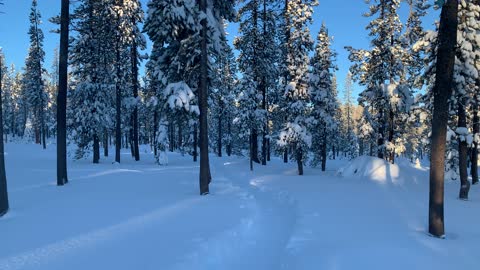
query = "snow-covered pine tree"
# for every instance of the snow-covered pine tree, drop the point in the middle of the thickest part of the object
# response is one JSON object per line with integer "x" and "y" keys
{"x": 134, "y": 41}
{"x": 373, "y": 68}
{"x": 91, "y": 110}
{"x": 33, "y": 80}
{"x": 466, "y": 75}
{"x": 222, "y": 99}
{"x": 257, "y": 46}
{"x": 323, "y": 124}
{"x": 295, "y": 134}
{"x": 173, "y": 27}
{"x": 3, "y": 178}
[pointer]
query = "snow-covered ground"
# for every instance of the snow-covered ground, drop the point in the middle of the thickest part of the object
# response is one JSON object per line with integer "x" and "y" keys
{"x": 138, "y": 215}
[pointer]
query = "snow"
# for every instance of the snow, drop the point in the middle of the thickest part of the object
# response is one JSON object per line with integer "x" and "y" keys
{"x": 139, "y": 215}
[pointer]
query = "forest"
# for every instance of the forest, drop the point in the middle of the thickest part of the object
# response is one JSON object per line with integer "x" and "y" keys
{"x": 148, "y": 104}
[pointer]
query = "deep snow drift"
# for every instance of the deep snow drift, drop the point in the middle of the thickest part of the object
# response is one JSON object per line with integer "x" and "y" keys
{"x": 138, "y": 215}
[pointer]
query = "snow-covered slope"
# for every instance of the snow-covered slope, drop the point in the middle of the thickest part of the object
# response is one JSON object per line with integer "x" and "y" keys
{"x": 138, "y": 215}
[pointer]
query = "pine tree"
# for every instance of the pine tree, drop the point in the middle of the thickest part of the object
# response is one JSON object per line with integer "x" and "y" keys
{"x": 323, "y": 97}
{"x": 3, "y": 178}
{"x": 295, "y": 134}
{"x": 372, "y": 68}
{"x": 93, "y": 62}
{"x": 34, "y": 84}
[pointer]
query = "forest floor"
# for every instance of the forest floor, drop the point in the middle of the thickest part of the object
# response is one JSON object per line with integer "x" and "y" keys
{"x": 138, "y": 215}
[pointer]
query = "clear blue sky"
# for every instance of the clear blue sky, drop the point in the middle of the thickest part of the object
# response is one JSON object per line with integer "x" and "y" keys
{"x": 342, "y": 17}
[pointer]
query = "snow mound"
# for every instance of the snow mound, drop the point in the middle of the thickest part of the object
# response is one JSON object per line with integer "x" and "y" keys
{"x": 373, "y": 168}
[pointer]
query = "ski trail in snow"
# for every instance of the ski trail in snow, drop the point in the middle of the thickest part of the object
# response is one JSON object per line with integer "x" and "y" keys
{"x": 258, "y": 241}
{"x": 46, "y": 253}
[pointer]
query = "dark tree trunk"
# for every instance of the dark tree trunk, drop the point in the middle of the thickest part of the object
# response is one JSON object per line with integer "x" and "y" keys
{"x": 250, "y": 143}
{"x": 62, "y": 96}
{"x": 285, "y": 155}
{"x": 43, "y": 129}
{"x": 268, "y": 150}
{"x": 474, "y": 155}
{"x": 324, "y": 154}
{"x": 3, "y": 177}
{"x": 195, "y": 142}
{"x": 105, "y": 143}
{"x": 96, "y": 149}
{"x": 299, "y": 158}
{"x": 171, "y": 139}
{"x": 220, "y": 135}
{"x": 135, "y": 95}
{"x": 391, "y": 131}
{"x": 205, "y": 175}
{"x": 180, "y": 136}
{"x": 333, "y": 151}
{"x": 229, "y": 130}
{"x": 442, "y": 91}
{"x": 118, "y": 107}
{"x": 130, "y": 140}
{"x": 255, "y": 146}
{"x": 463, "y": 152}
{"x": 381, "y": 131}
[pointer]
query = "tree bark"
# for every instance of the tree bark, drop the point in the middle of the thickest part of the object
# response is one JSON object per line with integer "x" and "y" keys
{"x": 442, "y": 91}
{"x": 204, "y": 176}
{"x": 195, "y": 142}
{"x": 3, "y": 177}
{"x": 155, "y": 128}
{"x": 62, "y": 177}
{"x": 324, "y": 153}
{"x": 118, "y": 107}
{"x": 463, "y": 152}
{"x": 220, "y": 135}
{"x": 96, "y": 149}
{"x": 474, "y": 155}
{"x": 229, "y": 131}
{"x": 105, "y": 143}
{"x": 299, "y": 158}
{"x": 135, "y": 95}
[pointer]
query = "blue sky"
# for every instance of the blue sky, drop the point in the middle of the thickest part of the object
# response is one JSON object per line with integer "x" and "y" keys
{"x": 342, "y": 17}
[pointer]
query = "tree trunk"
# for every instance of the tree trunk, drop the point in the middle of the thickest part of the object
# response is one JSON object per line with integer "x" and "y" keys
{"x": 474, "y": 155}
{"x": 105, "y": 143}
{"x": 324, "y": 153}
{"x": 180, "y": 136}
{"x": 118, "y": 105}
{"x": 333, "y": 150}
{"x": 380, "y": 139}
{"x": 463, "y": 152}
{"x": 220, "y": 135}
{"x": 43, "y": 129}
{"x": 62, "y": 96}
{"x": 135, "y": 95}
{"x": 250, "y": 143}
{"x": 255, "y": 146}
{"x": 285, "y": 155}
{"x": 204, "y": 176}
{"x": 391, "y": 131}
{"x": 3, "y": 177}
{"x": 299, "y": 158}
{"x": 130, "y": 140}
{"x": 195, "y": 142}
{"x": 229, "y": 130}
{"x": 96, "y": 149}
{"x": 442, "y": 91}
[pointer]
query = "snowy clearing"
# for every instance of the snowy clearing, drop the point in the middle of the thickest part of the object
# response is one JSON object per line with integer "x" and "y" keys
{"x": 145, "y": 216}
